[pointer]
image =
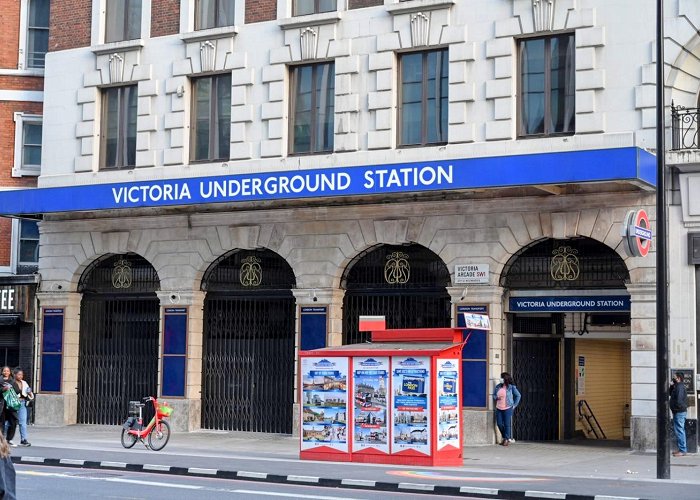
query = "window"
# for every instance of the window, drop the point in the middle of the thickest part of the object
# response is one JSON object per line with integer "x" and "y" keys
{"x": 119, "y": 127}
{"x": 123, "y": 20}
{"x": 211, "y": 118}
{"x": 424, "y": 96}
{"x": 27, "y": 145}
{"x": 213, "y": 14}
{"x": 37, "y": 33}
{"x": 28, "y": 252}
{"x": 313, "y": 102}
{"x": 547, "y": 86}
{"x": 305, "y": 7}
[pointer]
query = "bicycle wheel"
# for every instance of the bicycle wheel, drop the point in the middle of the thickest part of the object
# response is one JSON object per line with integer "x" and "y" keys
{"x": 159, "y": 436}
{"x": 128, "y": 440}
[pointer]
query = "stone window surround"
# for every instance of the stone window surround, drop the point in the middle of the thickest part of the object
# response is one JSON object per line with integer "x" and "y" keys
{"x": 502, "y": 50}
{"x": 97, "y": 34}
{"x": 285, "y": 8}
{"x": 20, "y": 119}
{"x": 14, "y": 248}
{"x": 24, "y": 40}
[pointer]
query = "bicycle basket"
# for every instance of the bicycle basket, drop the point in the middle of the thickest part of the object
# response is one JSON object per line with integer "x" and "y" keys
{"x": 134, "y": 408}
{"x": 164, "y": 410}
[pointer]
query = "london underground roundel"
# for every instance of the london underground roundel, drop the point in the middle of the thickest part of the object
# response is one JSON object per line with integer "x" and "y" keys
{"x": 637, "y": 233}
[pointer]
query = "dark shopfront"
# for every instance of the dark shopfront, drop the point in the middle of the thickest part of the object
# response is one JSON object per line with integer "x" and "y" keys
{"x": 17, "y": 318}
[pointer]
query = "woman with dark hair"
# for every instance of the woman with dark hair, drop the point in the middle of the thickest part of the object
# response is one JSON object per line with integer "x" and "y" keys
{"x": 507, "y": 398}
{"x": 8, "y": 490}
{"x": 10, "y": 421}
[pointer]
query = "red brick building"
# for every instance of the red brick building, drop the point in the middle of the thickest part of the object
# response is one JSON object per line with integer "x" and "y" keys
{"x": 23, "y": 44}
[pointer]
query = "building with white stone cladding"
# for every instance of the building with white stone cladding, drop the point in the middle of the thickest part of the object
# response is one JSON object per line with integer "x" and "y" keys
{"x": 530, "y": 152}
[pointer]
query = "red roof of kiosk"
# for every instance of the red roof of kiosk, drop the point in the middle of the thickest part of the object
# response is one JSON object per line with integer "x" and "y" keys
{"x": 414, "y": 341}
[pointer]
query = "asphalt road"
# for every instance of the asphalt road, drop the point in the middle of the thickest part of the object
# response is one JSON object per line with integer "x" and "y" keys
{"x": 59, "y": 483}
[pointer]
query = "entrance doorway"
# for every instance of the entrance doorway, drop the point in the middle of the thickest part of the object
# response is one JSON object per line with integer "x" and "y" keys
{"x": 118, "y": 351}
{"x": 406, "y": 284}
{"x": 248, "y": 357}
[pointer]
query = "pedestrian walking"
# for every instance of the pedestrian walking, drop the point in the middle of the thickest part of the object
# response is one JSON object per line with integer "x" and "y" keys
{"x": 507, "y": 397}
{"x": 26, "y": 396}
{"x": 679, "y": 407}
{"x": 8, "y": 489}
{"x": 10, "y": 414}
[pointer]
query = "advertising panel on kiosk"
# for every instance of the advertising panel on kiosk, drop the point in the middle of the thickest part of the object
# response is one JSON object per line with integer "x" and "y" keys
{"x": 448, "y": 409}
{"x": 370, "y": 377}
{"x": 325, "y": 404}
{"x": 410, "y": 405}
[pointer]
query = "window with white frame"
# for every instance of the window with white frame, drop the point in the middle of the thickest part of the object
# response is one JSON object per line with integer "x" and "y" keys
{"x": 28, "y": 130}
{"x": 211, "y": 118}
{"x": 118, "y": 135}
{"x": 214, "y": 14}
{"x": 122, "y": 20}
{"x": 37, "y": 33}
{"x": 28, "y": 248}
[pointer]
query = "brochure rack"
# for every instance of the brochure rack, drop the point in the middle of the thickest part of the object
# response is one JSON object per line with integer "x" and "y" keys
{"x": 395, "y": 400}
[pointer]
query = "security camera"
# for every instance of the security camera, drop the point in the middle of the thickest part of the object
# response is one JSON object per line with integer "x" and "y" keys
{"x": 315, "y": 299}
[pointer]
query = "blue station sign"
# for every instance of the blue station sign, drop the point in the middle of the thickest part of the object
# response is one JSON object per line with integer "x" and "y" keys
{"x": 597, "y": 303}
{"x": 632, "y": 164}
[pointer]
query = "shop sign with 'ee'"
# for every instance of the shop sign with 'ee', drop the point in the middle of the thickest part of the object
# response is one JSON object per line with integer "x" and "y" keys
{"x": 636, "y": 233}
{"x": 471, "y": 273}
{"x": 7, "y": 299}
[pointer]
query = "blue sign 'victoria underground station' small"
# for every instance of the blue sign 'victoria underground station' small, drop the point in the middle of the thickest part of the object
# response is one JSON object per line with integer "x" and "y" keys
{"x": 597, "y": 303}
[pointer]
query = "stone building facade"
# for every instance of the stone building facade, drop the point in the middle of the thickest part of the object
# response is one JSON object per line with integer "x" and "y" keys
{"x": 465, "y": 178}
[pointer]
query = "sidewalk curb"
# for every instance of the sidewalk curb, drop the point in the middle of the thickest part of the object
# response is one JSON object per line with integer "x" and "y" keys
{"x": 357, "y": 484}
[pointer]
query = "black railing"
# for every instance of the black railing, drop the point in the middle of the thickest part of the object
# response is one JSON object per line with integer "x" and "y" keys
{"x": 586, "y": 414}
{"x": 684, "y": 126}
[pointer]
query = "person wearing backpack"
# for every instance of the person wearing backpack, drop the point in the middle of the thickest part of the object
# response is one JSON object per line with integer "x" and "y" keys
{"x": 11, "y": 404}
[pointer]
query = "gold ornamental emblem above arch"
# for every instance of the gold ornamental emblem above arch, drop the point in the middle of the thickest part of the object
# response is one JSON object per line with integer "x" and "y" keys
{"x": 397, "y": 270}
{"x": 251, "y": 271}
{"x": 122, "y": 275}
{"x": 564, "y": 265}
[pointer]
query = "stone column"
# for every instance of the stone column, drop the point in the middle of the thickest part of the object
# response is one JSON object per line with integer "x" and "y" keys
{"x": 478, "y": 424}
{"x": 187, "y": 414}
{"x": 314, "y": 297}
{"x": 61, "y": 409}
{"x": 643, "y": 347}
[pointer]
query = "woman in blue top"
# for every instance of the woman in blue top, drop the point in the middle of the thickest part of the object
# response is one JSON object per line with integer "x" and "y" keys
{"x": 507, "y": 397}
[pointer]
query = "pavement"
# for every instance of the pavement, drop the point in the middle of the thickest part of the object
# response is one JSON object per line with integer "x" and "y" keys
{"x": 524, "y": 469}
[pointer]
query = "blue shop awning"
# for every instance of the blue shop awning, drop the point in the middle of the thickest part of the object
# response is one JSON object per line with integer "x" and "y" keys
{"x": 630, "y": 164}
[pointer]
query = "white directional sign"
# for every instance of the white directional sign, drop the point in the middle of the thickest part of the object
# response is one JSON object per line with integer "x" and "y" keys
{"x": 471, "y": 273}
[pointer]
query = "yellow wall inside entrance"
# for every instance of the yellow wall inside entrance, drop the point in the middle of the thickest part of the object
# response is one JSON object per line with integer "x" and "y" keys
{"x": 607, "y": 383}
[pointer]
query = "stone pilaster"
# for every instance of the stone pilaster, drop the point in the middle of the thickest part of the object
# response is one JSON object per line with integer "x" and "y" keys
{"x": 187, "y": 414}
{"x": 643, "y": 347}
{"x": 61, "y": 409}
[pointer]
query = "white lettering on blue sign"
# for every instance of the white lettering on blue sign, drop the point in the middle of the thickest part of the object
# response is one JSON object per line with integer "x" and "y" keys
{"x": 570, "y": 304}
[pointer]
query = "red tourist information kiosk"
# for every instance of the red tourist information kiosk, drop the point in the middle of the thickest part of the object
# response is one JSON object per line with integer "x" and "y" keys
{"x": 393, "y": 401}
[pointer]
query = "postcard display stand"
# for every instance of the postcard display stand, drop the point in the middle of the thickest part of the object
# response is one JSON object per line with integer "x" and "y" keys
{"x": 392, "y": 401}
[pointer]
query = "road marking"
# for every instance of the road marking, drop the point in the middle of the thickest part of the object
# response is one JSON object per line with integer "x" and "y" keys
{"x": 118, "y": 465}
{"x": 416, "y": 486}
{"x": 36, "y": 460}
{"x": 303, "y": 479}
{"x": 437, "y": 475}
{"x": 359, "y": 482}
{"x": 165, "y": 468}
{"x": 478, "y": 491}
{"x": 253, "y": 475}
{"x": 70, "y": 461}
{"x": 197, "y": 470}
{"x": 287, "y": 495}
{"x": 546, "y": 494}
{"x": 152, "y": 483}
{"x": 605, "y": 497}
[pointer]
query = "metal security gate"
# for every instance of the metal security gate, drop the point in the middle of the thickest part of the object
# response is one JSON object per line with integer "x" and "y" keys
{"x": 248, "y": 363}
{"x": 406, "y": 284}
{"x": 248, "y": 357}
{"x": 536, "y": 373}
{"x": 118, "y": 350}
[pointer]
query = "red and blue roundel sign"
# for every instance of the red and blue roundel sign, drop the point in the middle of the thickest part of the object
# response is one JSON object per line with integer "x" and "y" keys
{"x": 637, "y": 233}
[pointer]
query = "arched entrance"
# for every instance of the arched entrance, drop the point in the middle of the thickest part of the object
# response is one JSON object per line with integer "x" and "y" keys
{"x": 569, "y": 331}
{"x": 118, "y": 352}
{"x": 248, "y": 357}
{"x": 405, "y": 283}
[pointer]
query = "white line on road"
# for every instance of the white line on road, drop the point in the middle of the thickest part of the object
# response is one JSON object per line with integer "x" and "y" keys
{"x": 546, "y": 494}
{"x": 288, "y": 495}
{"x": 478, "y": 491}
{"x": 416, "y": 486}
{"x": 153, "y": 483}
{"x": 303, "y": 479}
{"x": 198, "y": 470}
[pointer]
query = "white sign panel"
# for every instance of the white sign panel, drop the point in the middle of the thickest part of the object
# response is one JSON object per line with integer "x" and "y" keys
{"x": 370, "y": 388}
{"x": 324, "y": 403}
{"x": 448, "y": 404}
{"x": 471, "y": 273}
{"x": 410, "y": 404}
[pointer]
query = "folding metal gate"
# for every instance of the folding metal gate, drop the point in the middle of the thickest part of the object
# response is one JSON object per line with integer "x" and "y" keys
{"x": 536, "y": 373}
{"x": 118, "y": 355}
{"x": 248, "y": 363}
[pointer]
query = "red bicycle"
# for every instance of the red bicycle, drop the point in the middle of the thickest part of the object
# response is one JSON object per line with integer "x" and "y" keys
{"x": 157, "y": 430}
